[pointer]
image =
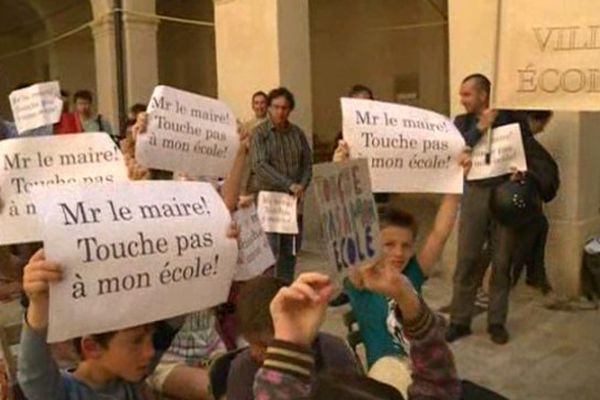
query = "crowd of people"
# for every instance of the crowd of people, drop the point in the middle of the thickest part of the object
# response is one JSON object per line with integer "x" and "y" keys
{"x": 269, "y": 330}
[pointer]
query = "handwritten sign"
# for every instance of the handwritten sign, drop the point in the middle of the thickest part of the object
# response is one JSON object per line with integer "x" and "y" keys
{"x": 133, "y": 253}
{"x": 507, "y": 153}
{"x": 46, "y": 162}
{"x": 549, "y": 56}
{"x": 347, "y": 212}
{"x": 254, "y": 252}
{"x": 188, "y": 133}
{"x": 277, "y": 212}
{"x": 36, "y": 106}
{"x": 408, "y": 149}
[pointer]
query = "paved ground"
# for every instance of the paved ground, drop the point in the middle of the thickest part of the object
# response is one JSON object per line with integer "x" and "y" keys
{"x": 552, "y": 355}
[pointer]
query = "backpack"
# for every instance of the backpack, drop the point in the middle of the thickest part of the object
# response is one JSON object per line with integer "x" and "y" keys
{"x": 590, "y": 270}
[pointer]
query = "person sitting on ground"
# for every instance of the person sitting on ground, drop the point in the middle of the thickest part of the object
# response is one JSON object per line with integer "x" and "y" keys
{"x": 288, "y": 370}
{"x": 398, "y": 238}
{"x": 256, "y": 325}
{"x": 113, "y": 364}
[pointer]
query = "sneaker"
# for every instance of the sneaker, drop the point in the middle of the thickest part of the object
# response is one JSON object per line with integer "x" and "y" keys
{"x": 341, "y": 300}
{"x": 456, "y": 331}
{"x": 498, "y": 333}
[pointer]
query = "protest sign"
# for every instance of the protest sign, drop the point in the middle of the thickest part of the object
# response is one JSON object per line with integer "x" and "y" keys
{"x": 347, "y": 212}
{"x": 277, "y": 212}
{"x": 35, "y": 106}
{"x": 188, "y": 133}
{"x": 408, "y": 149}
{"x": 133, "y": 253}
{"x": 549, "y": 56}
{"x": 48, "y": 161}
{"x": 507, "y": 153}
{"x": 254, "y": 252}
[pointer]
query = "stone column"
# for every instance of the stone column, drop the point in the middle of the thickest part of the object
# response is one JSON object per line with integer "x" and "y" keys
{"x": 262, "y": 44}
{"x": 571, "y": 137}
{"x": 141, "y": 57}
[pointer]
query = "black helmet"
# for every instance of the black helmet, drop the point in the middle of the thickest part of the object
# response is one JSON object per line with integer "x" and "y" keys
{"x": 515, "y": 203}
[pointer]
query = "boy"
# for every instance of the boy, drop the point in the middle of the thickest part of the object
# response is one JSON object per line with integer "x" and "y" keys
{"x": 256, "y": 325}
{"x": 298, "y": 312}
{"x": 113, "y": 364}
{"x": 381, "y": 334}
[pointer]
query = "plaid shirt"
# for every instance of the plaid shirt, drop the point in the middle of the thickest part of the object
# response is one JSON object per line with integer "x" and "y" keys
{"x": 286, "y": 372}
{"x": 280, "y": 158}
{"x": 197, "y": 340}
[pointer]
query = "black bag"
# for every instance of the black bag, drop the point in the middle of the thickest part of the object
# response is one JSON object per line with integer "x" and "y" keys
{"x": 516, "y": 203}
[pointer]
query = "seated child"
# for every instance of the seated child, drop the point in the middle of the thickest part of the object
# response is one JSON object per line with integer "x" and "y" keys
{"x": 381, "y": 334}
{"x": 256, "y": 325}
{"x": 298, "y": 311}
{"x": 113, "y": 364}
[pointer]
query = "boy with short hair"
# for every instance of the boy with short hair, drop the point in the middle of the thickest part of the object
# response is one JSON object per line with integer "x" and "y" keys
{"x": 256, "y": 324}
{"x": 113, "y": 364}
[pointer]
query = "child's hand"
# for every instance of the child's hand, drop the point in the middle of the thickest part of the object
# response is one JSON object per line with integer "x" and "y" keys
{"x": 342, "y": 152}
{"x": 299, "y": 310}
{"x": 38, "y": 274}
{"x": 140, "y": 126}
{"x": 233, "y": 231}
{"x": 386, "y": 280}
{"x": 465, "y": 161}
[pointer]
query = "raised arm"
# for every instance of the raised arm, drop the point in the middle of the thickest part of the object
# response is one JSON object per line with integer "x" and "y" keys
{"x": 38, "y": 373}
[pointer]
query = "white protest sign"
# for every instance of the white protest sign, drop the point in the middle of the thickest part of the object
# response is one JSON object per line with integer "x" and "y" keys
{"x": 133, "y": 253}
{"x": 549, "y": 56}
{"x": 254, "y": 252}
{"x": 408, "y": 149}
{"x": 277, "y": 212}
{"x": 188, "y": 133}
{"x": 37, "y": 105}
{"x": 507, "y": 154}
{"x": 348, "y": 213}
{"x": 49, "y": 161}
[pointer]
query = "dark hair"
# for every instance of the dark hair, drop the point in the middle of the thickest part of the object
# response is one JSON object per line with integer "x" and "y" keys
{"x": 103, "y": 339}
{"x": 282, "y": 92}
{"x": 481, "y": 81}
{"x": 137, "y": 108}
{"x": 539, "y": 115}
{"x": 84, "y": 95}
{"x": 356, "y": 89}
{"x": 253, "y": 313}
{"x": 352, "y": 387}
{"x": 23, "y": 85}
{"x": 399, "y": 218}
{"x": 260, "y": 93}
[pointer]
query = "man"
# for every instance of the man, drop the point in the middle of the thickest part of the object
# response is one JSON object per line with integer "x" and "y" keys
{"x": 477, "y": 218}
{"x": 259, "y": 107}
{"x": 90, "y": 122}
{"x": 532, "y": 238}
{"x": 282, "y": 162}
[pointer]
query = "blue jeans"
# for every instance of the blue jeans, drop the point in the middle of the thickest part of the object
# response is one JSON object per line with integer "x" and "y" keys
{"x": 285, "y": 255}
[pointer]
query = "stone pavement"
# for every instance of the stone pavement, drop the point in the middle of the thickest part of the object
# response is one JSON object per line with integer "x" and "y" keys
{"x": 552, "y": 355}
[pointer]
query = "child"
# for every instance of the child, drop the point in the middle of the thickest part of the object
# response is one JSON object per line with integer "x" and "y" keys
{"x": 381, "y": 335}
{"x": 113, "y": 364}
{"x": 256, "y": 326}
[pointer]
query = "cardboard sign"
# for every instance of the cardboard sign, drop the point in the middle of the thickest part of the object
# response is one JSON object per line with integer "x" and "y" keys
{"x": 46, "y": 162}
{"x": 278, "y": 212}
{"x": 408, "y": 149}
{"x": 549, "y": 55}
{"x": 188, "y": 133}
{"x": 36, "y": 106}
{"x": 133, "y": 253}
{"x": 507, "y": 154}
{"x": 254, "y": 252}
{"x": 348, "y": 214}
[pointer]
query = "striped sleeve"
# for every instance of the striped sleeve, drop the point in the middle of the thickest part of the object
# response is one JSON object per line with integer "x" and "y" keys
{"x": 290, "y": 359}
